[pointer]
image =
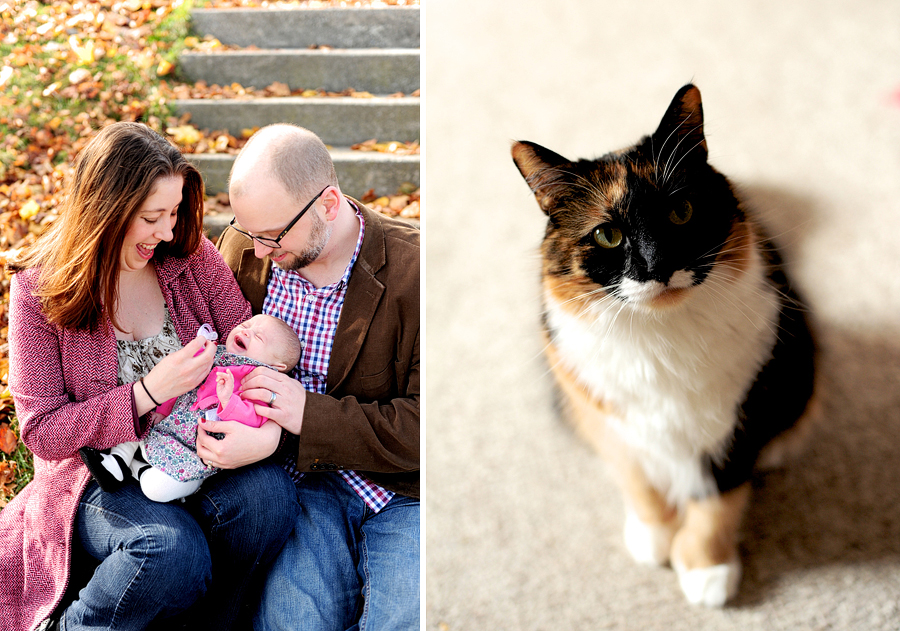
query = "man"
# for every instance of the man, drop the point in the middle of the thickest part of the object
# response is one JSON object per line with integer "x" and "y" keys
{"x": 347, "y": 418}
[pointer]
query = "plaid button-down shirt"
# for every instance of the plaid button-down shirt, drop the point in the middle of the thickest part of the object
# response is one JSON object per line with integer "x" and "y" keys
{"x": 314, "y": 313}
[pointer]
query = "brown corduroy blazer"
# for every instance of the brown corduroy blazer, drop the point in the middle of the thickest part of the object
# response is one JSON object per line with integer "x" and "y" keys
{"x": 368, "y": 420}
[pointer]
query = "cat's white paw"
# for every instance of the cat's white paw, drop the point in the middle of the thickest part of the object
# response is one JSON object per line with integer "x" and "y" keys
{"x": 648, "y": 544}
{"x": 710, "y": 586}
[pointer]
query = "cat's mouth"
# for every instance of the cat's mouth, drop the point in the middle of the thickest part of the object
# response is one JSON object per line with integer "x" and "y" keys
{"x": 668, "y": 297}
{"x": 655, "y": 295}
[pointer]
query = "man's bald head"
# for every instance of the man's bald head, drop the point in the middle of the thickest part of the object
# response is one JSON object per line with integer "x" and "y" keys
{"x": 293, "y": 156}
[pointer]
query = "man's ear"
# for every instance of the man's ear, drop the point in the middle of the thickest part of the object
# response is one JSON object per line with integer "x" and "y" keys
{"x": 331, "y": 202}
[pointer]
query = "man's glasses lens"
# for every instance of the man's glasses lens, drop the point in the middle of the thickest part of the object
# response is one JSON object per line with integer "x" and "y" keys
{"x": 276, "y": 243}
{"x": 269, "y": 243}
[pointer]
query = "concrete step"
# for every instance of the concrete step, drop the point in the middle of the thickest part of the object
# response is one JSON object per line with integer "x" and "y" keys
{"x": 393, "y": 27}
{"x": 338, "y": 121}
{"x": 379, "y": 71}
{"x": 357, "y": 171}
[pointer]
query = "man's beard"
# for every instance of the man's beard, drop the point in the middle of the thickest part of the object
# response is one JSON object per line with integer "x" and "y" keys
{"x": 318, "y": 239}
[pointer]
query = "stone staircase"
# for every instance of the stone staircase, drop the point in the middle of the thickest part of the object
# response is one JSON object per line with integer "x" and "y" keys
{"x": 374, "y": 50}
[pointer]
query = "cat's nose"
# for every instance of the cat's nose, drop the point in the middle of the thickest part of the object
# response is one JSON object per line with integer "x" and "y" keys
{"x": 652, "y": 265}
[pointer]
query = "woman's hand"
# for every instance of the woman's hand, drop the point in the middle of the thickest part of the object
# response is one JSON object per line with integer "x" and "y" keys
{"x": 242, "y": 444}
{"x": 177, "y": 373}
{"x": 289, "y": 402}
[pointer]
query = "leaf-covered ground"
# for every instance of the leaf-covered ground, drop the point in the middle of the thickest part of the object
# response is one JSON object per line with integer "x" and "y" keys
{"x": 68, "y": 69}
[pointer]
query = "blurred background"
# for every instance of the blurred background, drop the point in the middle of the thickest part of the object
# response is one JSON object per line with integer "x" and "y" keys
{"x": 802, "y": 107}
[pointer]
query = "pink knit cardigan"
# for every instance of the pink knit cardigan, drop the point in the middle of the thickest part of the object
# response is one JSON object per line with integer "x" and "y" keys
{"x": 64, "y": 386}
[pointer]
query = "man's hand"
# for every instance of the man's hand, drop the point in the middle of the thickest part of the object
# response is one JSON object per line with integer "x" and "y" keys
{"x": 290, "y": 397}
{"x": 242, "y": 444}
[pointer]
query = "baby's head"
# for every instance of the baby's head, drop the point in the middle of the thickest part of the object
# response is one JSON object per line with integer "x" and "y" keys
{"x": 266, "y": 339}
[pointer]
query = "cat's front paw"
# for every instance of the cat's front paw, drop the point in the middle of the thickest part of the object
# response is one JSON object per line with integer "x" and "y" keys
{"x": 710, "y": 586}
{"x": 648, "y": 544}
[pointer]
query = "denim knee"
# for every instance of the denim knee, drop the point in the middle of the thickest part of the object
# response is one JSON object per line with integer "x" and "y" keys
{"x": 178, "y": 563}
{"x": 260, "y": 502}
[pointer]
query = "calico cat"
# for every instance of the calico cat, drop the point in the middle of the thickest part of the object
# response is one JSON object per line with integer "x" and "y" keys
{"x": 680, "y": 348}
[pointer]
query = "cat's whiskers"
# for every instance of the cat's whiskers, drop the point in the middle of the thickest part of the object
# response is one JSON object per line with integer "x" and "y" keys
{"x": 612, "y": 323}
{"x": 719, "y": 288}
{"x": 596, "y": 310}
{"x": 789, "y": 301}
{"x": 732, "y": 244}
{"x": 587, "y": 307}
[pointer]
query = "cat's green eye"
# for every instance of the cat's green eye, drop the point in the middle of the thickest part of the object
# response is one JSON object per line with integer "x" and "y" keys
{"x": 607, "y": 237}
{"x": 681, "y": 215}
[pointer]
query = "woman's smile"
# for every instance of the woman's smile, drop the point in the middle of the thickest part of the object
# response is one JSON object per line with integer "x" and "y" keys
{"x": 146, "y": 251}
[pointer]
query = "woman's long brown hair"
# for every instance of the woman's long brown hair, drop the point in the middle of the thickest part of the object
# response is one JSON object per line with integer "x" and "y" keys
{"x": 79, "y": 255}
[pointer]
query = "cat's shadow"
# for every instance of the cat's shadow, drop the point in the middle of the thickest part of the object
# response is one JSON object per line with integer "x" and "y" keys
{"x": 837, "y": 506}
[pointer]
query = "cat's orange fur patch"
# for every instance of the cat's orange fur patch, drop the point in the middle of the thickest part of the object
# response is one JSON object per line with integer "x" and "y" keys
{"x": 574, "y": 294}
{"x": 588, "y": 416}
{"x": 734, "y": 257}
{"x": 670, "y": 297}
{"x": 709, "y": 533}
{"x": 616, "y": 188}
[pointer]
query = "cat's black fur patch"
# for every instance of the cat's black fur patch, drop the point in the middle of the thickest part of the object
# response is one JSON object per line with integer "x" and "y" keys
{"x": 781, "y": 391}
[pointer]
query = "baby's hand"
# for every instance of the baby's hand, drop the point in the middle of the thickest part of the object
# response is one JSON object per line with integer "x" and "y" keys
{"x": 224, "y": 386}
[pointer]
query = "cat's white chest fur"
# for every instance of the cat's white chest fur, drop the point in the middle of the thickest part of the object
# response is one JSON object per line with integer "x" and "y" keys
{"x": 674, "y": 377}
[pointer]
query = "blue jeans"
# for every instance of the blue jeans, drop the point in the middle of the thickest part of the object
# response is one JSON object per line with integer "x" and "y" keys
{"x": 193, "y": 562}
{"x": 345, "y": 567}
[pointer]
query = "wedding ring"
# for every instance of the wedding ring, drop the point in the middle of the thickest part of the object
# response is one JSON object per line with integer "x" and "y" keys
{"x": 272, "y": 400}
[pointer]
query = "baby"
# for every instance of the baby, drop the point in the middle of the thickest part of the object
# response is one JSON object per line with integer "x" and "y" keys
{"x": 165, "y": 461}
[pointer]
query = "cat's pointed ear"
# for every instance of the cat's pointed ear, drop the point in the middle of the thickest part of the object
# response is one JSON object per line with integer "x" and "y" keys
{"x": 543, "y": 170}
{"x": 680, "y": 132}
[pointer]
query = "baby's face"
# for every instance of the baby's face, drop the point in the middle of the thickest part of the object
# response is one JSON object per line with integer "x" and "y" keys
{"x": 253, "y": 339}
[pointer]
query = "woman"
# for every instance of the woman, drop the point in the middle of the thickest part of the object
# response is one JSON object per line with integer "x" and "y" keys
{"x": 123, "y": 278}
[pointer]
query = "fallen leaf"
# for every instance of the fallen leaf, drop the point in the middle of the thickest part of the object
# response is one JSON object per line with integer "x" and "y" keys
{"x": 8, "y": 439}
{"x": 84, "y": 52}
{"x": 7, "y": 481}
{"x": 79, "y": 75}
{"x": 413, "y": 211}
{"x": 399, "y": 203}
{"x": 184, "y": 134}
{"x": 164, "y": 68}
{"x": 279, "y": 89}
{"x": 51, "y": 89}
{"x": 29, "y": 209}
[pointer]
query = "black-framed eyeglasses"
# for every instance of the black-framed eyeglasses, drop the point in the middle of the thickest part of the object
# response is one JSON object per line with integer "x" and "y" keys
{"x": 276, "y": 242}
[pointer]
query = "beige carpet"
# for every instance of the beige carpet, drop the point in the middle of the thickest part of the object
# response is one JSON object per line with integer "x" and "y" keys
{"x": 523, "y": 525}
